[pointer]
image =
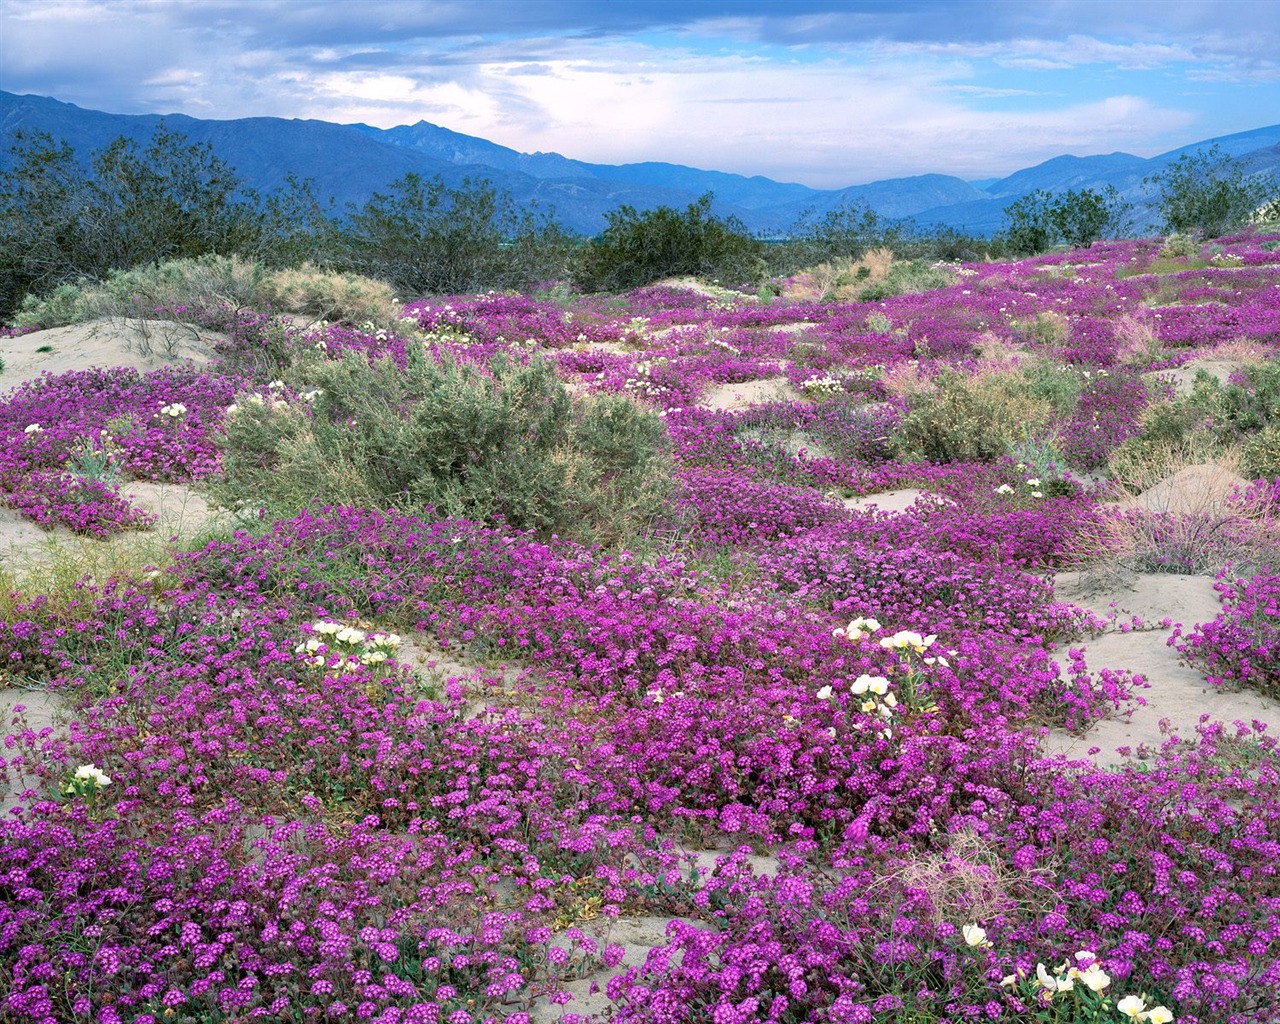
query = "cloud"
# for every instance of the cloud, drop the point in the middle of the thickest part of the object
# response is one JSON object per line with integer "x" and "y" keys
{"x": 824, "y": 92}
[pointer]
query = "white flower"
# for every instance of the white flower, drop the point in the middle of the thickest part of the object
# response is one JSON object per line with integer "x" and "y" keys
{"x": 349, "y": 635}
{"x": 92, "y": 773}
{"x": 1159, "y": 1015}
{"x": 865, "y": 683}
{"x": 33, "y": 428}
{"x": 1004, "y": 489}
{"x": 1095, "y": 978}
{"x": 1053, "y": 983}
{"x": 173, "y": 411}
{"x": 975, "y": 936}
{"x": 276, "y": 385}
{"x": 326, "y": 628}
{"x": 1132, "y": 1007}
{"x": 824, "y": 693}
{"x": 1033, "y": 482}
{"x": 1037, "y": 494}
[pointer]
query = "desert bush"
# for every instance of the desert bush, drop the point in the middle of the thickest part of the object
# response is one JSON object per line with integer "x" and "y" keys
{"x": 505, "y": 441}
{"x": 1242, "y": 406}
{"x": 1054, "y": 382}
{"x": 1179, "y": 246}
{"x": 971, "y": 419}
{"x": 1170, "y": 433}
{"x": 173, "y": 288}
{"x": 906, "y": 277}
{"x": 1261, "y": 455}
{"x": 330, "y": 295}
{"x": 1208, "y": 193}
{"x": 195, "y": 288}
{"x": 65, "y": 304}
{"x": 638, "y": 248}
{"x": 1040, "y": 220}
{"x": 63, "y": 218}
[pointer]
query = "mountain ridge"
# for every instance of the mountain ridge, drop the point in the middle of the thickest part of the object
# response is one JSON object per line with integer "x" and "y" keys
{"x": 352, "y": 162}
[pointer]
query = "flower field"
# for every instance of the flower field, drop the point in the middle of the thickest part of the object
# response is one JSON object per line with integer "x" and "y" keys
{"x": 385, "y": 761}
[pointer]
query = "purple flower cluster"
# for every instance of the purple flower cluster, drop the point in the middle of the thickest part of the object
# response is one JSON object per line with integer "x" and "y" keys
{"x": 289, "y": 833}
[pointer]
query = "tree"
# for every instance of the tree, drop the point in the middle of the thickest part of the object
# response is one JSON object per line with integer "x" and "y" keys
{"x": 41, "y": 230}
{"x": 1206, "y": 193}
{"x": 61, "y": 220}
{"x": 1040, "y": 220}
{"x": 425, "y": 237}
{"x": 639, "y": 248}
{"x": 1029, "y": 225}
{"x": 172, "y": 200}
{"x": 1081, "y": 218}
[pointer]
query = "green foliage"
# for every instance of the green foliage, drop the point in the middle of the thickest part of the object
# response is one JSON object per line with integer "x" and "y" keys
{"x": 640, "y": 248}
{"x": 328, "y": 295}
{"x": 1206, "y": 193}
{"x": 1179, "y": 246}
{"x": 971, "y": 419}
{"x": 840, "y": 234}
{"x": 1261, "y": 455}
{"x": 1040, "y": 220}
{"x": 1029, "y": 228}
{"x": 1054, "y": 383}
{"x": 1239, "y": 409}
{"x": 427, "y": 238}
{"x": 189, "y": 288}
{"x": 62, "y": 221}
{"x": 504, "y": 442}
{"x": 906, "y": 277}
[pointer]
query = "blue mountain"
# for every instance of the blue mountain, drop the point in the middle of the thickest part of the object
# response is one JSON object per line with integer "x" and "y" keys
{"x": 349, "y": 163}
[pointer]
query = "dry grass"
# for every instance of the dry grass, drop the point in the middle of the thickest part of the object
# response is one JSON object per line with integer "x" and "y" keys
{"x": 1179, "y": 516}
{"x": 969, "y": 881}
{"x": 1138, "y": 345}
{"x": 840, "y": 280}
{"x": 328, "y": 295}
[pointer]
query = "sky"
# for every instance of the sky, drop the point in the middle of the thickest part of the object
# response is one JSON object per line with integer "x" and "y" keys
{"x": 816, "y": 91}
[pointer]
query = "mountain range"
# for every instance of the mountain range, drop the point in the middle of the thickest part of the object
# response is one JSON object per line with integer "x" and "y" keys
{"x": 351, "y": 162}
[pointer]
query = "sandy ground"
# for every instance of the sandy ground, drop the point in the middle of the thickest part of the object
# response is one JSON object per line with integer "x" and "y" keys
{"x": 1178, "y": 695}
{"x": 886, "y": 501}
{"x": 1193, "y": 490}
{"x": 729, "y": 397}
{"x": 1184, "y": 376}
{"x": 140, "y": 344}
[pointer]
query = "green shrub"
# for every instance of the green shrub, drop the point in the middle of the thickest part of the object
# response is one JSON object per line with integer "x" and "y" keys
{"x": 1053, "y": 382}
{"x": 330, "y": 295}
{"x": 186, "y": 288}
{"x": 971, "y": 419}
{"x": 64, "y": 305}
{"x": 640, "y": 248}
{"x": 1209, "y": 193}
{"x": 906, "y": 277}
{"x": 1240, "y": 409}
{"x": 149, "y": 291}
{"x": 504, "y": 442}
{"x": 1261, "y": 456}
{"x": 1177, "y": 245}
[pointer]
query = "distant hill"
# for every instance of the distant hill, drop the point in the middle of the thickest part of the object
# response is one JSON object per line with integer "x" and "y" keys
{"x": 351, "y": 162}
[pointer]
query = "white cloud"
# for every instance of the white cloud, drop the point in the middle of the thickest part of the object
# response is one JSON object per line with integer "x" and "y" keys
{"x": 818, "y": 97}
